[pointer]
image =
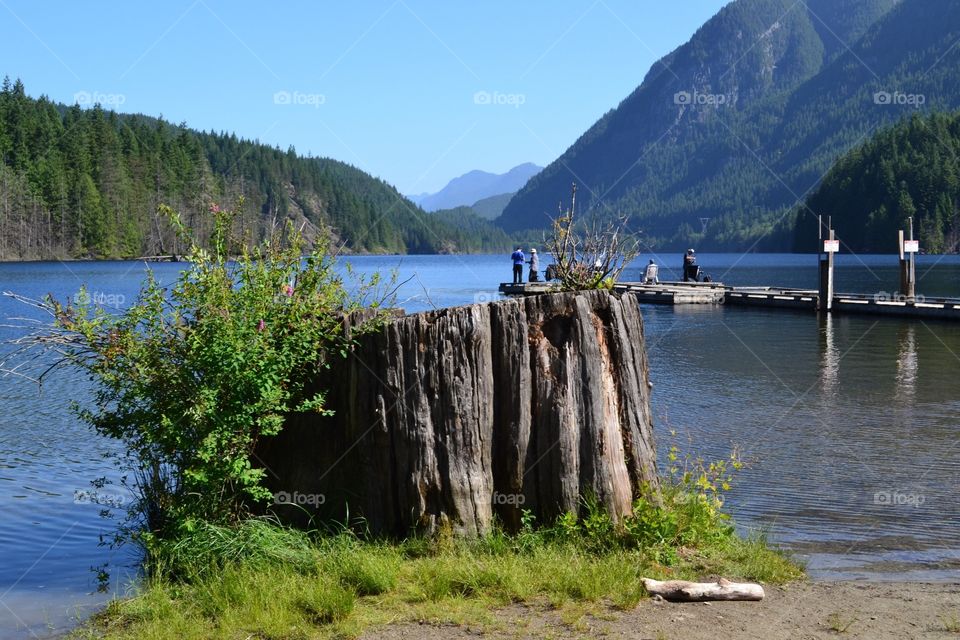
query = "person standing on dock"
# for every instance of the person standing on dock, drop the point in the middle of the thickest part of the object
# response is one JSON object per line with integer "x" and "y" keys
{"x": 518, "y": 260}
{"x": 534, "y": 266}
{"x": 650, "y": 273}
{"x": 690, "y": 269}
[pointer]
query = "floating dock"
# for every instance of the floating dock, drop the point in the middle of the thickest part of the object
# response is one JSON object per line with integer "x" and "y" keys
{"x": 716, "y": 293}
{"x": 822, "y": 300}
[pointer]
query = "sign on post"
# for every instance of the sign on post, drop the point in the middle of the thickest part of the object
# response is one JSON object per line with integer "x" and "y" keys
{"x": 831, "y": 246}
{"x": 911, "y": 246}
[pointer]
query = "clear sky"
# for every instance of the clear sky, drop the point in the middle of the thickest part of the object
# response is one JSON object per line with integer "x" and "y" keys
{"x": 415, "y": 92}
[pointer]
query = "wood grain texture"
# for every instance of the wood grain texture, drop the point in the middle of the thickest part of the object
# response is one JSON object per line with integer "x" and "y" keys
{"x": 448, "y": 418}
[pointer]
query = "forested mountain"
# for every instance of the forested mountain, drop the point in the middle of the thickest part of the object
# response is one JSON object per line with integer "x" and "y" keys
{"x": 491, "y": 208}
{"x": 728, "y": 132}
{"x": 476, "y": 185}
{"x": 86, "y": 183}
{"x": 909, "y": 170}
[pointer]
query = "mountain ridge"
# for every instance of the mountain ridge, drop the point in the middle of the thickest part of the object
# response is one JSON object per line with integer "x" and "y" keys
{"x": 758, "y": 121}
{"x": 476, "y": 185}
{"x": 86, "y": 183}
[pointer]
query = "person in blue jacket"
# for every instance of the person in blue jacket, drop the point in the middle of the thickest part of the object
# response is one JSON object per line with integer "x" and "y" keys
{"x": 518, "y": 262}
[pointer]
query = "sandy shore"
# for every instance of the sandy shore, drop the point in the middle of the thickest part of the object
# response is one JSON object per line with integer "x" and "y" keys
{"x": 798, "y": 611}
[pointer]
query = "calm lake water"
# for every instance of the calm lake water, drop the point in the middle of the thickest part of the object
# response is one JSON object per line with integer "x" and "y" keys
{"x": 850, "y": 426}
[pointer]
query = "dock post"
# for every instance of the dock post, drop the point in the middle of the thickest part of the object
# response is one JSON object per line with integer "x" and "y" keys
{"x": 908, "y": 266}
{"x": 903, "y": 265}
{"x": 912, "y": 269}
{"x": 825, "y": 297}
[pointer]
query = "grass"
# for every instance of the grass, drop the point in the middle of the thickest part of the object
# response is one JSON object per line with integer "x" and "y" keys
{"x": 258, "y": 579}
{"x": 261, "y": 580}
{"x": 951, "y": 623}
{"x": 838, "y": 623}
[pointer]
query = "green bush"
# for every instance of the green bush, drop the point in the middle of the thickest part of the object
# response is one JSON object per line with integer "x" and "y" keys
{"x": 190, "y": 378}
{"x": 686, "y": 512}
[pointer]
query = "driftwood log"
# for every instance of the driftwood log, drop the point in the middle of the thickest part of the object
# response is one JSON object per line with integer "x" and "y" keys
{"x": 449, "y": 418}
{"x": 683, "y": 591}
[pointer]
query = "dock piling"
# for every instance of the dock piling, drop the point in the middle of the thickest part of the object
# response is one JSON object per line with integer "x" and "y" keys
{"x": 908, "y": 266}
{"x": 825, "y": 297}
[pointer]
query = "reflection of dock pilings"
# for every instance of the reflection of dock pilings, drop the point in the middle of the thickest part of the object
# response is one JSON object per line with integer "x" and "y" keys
{"x": 907, "y": 361}
{"x": 907, "y": 364}
{"x": 829, "y": 356}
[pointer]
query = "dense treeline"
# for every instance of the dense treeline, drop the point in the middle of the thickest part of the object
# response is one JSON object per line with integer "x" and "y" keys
{"x": 909, "y": 170}
{"x": 467, "y": 227}
{"x": 80, "y": 183}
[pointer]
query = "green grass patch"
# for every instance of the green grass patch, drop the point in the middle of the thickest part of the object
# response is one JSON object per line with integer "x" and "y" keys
{"x": 338, "y": 586}
{"x": 258, "y": 579}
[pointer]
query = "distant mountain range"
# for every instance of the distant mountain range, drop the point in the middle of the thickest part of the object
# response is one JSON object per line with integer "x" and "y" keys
{"x": 477, "y": 185}
{"x": 718, "y": 148}
{"x": 726, "y": 134}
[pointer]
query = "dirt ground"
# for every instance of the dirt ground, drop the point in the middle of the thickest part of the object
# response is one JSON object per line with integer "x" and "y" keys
{"x": 798, "y": 611}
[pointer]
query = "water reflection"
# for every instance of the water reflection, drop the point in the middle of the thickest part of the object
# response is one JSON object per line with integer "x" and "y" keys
{"x": 829, "y": 357}
{"x": 907, "y": 364}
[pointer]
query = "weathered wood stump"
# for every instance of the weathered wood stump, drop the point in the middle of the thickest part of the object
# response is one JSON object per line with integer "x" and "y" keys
{"x": 448, "y": 417}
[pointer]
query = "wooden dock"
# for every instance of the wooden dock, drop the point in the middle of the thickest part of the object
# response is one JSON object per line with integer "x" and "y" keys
{"x": 717, "y": 294}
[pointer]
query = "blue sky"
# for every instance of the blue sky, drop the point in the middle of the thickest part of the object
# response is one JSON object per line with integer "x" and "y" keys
{"x": 413, "y": 92}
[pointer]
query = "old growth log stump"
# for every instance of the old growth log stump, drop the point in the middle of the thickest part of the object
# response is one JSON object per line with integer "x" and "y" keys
{"x": 450, "y": 417}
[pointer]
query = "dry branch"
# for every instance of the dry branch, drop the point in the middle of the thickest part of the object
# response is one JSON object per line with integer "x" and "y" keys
{"x": 589, "y": 254}
{"x": 683, "y": 591}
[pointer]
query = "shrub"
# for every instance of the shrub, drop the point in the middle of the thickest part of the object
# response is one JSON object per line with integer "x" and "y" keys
{"x": 190, "y": 377}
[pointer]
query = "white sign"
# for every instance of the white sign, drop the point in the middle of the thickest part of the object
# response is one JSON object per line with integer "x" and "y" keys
{"x": 831, "y": 246}
{"x": 911, "y": 246}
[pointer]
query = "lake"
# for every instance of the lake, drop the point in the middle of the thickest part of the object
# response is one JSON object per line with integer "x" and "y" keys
{"x": 850, "y": 425}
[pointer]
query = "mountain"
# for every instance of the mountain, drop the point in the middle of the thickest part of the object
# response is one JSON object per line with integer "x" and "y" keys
{"x": 908, "y": 170}
{"x": 476, "y": 185}
{"x": 85, "y": 183}
{"x": 491, "y": 208}
{"x": 417, "y": 198}
{"x": 728, "y": 132}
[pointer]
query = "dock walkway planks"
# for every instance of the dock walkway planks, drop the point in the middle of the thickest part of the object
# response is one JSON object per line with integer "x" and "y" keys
{"x": 716, "y": 293}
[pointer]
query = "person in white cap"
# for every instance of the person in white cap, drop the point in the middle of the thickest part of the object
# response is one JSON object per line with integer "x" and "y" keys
{"x": 534, "y": 266}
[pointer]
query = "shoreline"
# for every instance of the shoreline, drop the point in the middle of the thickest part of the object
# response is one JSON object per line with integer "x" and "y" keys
{"x": 803, "y": 609}
{"x": 660, "y": 252}
{"x": 882, "y": 611}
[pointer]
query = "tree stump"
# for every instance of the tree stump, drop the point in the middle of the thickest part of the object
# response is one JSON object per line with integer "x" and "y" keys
{"x": 447, "y": 418}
